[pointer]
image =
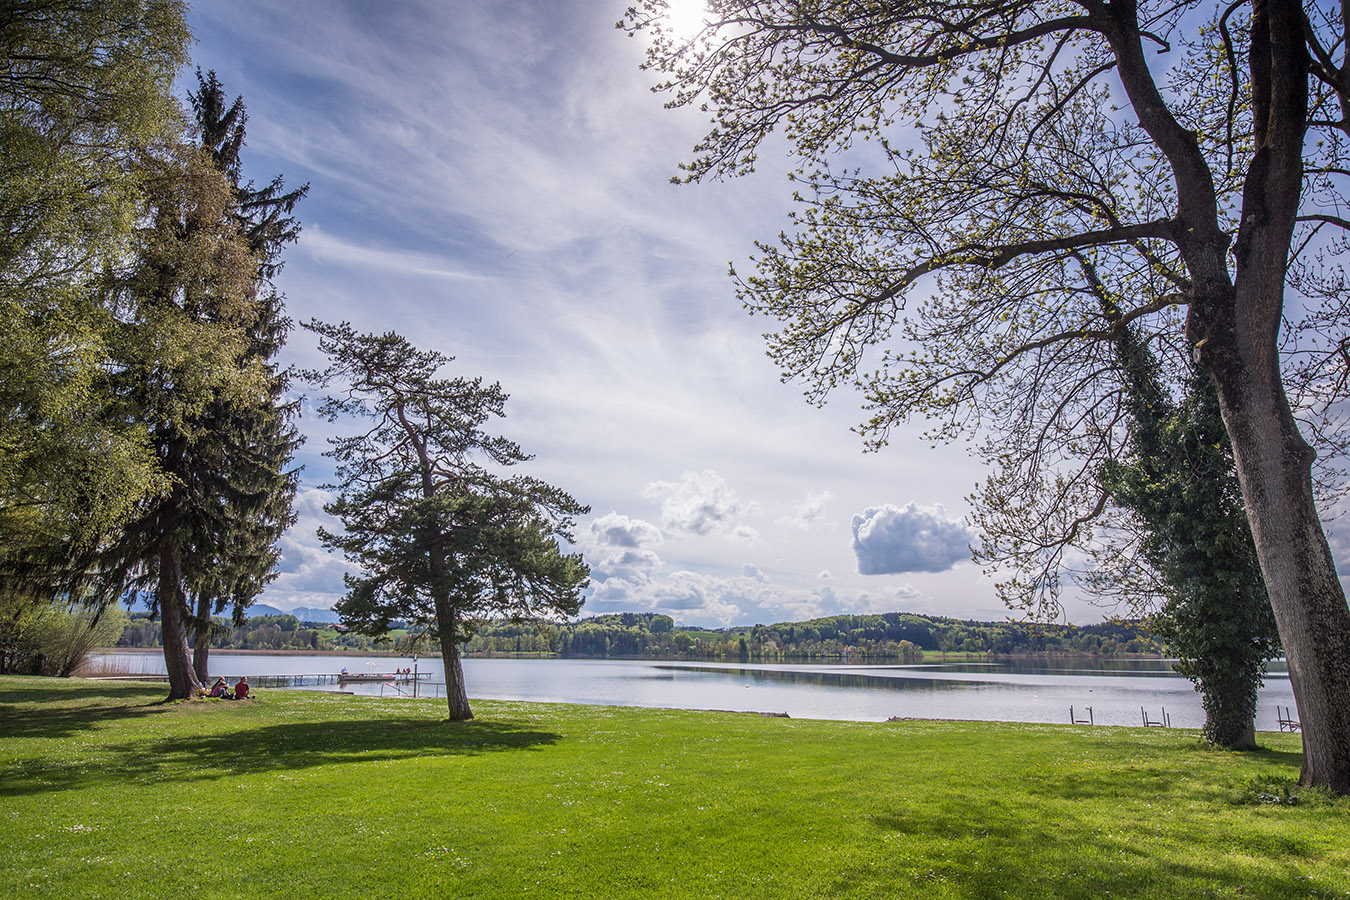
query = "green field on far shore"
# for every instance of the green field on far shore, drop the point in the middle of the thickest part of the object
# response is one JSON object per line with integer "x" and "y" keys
{"x": 110, "y": 793}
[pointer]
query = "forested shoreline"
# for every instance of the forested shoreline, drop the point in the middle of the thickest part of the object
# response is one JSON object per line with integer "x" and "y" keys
{"x": 891, "y": 636}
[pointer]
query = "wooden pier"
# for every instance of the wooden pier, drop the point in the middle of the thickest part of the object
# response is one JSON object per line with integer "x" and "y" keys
{"x": 407, "y": 683}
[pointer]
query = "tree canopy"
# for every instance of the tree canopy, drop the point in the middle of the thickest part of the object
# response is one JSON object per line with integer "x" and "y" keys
{"x": 84, "y": 86}
{"x": 961, "y": 166}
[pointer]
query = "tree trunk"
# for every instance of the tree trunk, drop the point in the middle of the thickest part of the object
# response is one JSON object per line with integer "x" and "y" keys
{"x": 201, "y": 643}
{"x": 1274, "y": 466}
{"x": 1236, "y": 339}
{"x": 1230, "y": 709}
{"x": 183, "y": 681}
{"x": 456, "y": 695}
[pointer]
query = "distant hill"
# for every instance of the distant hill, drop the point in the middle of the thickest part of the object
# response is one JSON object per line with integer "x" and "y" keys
{"x": 903, "y": 636}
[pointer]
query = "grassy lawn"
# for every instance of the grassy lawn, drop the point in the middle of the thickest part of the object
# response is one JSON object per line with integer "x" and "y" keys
{"x": 107, "y": 792}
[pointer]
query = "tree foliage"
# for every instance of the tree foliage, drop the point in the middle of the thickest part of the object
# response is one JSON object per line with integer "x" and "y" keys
{"x": 53, "y": 638}
{"x": 1178, "y": 481}
{"x": 439, "y": 537}
{"x": 959, "y": 163}
{"x": 84, "y": 86}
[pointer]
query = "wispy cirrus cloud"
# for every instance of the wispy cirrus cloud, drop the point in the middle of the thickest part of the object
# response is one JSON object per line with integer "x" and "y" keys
{"x": 332, "y": 250}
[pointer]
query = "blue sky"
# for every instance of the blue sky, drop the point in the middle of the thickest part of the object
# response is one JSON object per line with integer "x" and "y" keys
{"x": 491, "y": 180}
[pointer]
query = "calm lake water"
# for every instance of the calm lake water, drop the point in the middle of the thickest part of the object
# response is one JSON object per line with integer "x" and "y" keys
{"x": 1018, "y": 691}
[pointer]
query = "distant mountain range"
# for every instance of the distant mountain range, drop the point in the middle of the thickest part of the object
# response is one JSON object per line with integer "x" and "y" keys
{"x": 303, "y": 613}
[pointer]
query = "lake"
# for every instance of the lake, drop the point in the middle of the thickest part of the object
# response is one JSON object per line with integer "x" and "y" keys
{"x": 1016, "y": 691}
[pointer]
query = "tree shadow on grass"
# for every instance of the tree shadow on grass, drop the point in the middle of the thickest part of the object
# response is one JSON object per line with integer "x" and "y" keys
{"x": 48, "y": 691}
{"x": 1056, "y": 843}
{"x": 63, "y": 721}
{"x": 283, "y": 747}
{"x": 58, "y": 708}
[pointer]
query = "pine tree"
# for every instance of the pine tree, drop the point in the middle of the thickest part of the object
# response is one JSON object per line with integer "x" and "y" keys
{"x": 440, "y": 537}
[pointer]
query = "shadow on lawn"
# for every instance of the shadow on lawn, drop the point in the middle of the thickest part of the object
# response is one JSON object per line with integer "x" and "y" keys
{"x": 288, "y": 746}
{"x": 48, "y": 691}
{"x": 985, "y": 848}
{"x": 63, "y": 721}
{"x": 57, "y": 707}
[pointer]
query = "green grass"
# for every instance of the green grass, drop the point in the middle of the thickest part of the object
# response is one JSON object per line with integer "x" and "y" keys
{"x": 107, "y": 792}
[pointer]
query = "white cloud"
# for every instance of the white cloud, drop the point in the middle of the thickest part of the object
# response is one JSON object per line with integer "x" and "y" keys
{"x": 702, "y": 503}
{"x": 308, "y": 573}
{"x": 889, "y": 539}
{"x": 701, "y": 599}
{"x": 616, "y": 546}
{"x": 614, "y": 530}
{"x": 809, "y": 511}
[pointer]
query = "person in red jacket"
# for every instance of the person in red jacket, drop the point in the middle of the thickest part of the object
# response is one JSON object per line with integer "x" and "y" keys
{"x": 241, "y": 689}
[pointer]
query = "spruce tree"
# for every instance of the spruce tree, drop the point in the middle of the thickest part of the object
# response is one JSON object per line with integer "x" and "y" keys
{"x": 252, "y": 476}
{"x": 186, "y": 304}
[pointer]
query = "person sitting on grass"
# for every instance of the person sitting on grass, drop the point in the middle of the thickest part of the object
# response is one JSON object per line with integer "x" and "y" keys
{"x": 220, "y": 688}
{"x": 241, "y": 688}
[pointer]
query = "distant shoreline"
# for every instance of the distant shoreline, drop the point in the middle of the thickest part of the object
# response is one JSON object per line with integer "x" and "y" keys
{"x": 229, "y": 652}
{"x": 932, "y": 656}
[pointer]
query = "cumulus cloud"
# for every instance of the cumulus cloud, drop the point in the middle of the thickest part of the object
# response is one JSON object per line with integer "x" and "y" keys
{"x": 889, "y": 539}
{"x": 702, "y": 503}
{"x": 808, "y": 512}
{"x": 617, "y": 546}
{"x": 614, "y": 530}
{"x": 307, "y": 574}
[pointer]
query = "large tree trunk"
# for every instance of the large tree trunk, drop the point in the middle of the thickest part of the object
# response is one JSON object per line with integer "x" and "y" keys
{"x": 1234, "y": 328}
{"x": 201, "y": 640}
{"x": 456, "y": 695}
{"x": 1306, "y": 596}
{"x": 1274, "y": 467}
{"x": 183, "y": 681}
{"x": 1274, "y": 462}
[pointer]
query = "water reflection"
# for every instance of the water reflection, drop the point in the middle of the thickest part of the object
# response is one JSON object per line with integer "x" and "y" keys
{"x": 871, "y": 680}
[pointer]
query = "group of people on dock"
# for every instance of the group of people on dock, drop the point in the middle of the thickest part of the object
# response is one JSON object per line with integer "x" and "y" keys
{"x": 222, "y": 690}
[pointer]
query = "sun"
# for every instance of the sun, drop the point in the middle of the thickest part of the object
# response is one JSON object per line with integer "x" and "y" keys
{"x": 685, "y": 17}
